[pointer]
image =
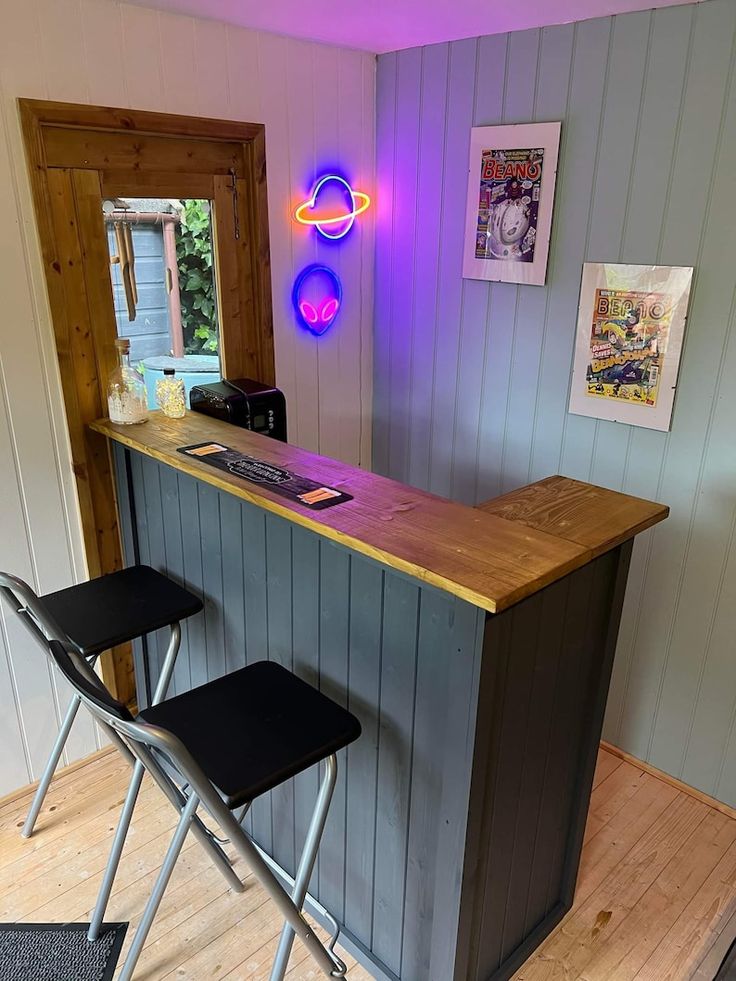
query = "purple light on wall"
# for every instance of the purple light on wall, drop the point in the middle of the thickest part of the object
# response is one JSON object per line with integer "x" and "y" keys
{"x": 346, "y": 205}
{"x": 317, "y": 297}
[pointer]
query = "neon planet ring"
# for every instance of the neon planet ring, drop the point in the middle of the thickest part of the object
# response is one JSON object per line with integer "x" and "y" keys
{"x": 333, "y": 226}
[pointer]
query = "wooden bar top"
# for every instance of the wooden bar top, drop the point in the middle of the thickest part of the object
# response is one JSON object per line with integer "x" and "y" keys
{"x": 492, "y": 556}
{"x": 588, "y": 515}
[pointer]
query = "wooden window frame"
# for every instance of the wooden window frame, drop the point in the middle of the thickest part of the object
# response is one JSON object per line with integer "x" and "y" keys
{"x": 78, "y": 155}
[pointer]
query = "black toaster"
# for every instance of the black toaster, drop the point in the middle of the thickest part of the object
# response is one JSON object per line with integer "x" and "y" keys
{"x": 245, "y": 403}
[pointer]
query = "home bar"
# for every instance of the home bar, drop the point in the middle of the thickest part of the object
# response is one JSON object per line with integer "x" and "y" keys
{"x": 474, "y": 645}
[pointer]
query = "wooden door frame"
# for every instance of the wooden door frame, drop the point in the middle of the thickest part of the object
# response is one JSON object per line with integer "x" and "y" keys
{"x": 79, "y": 154}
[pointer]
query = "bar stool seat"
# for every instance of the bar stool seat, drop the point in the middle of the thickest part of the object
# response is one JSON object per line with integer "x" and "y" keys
{"x": 252, "y": 729}
{"x": 92, "y": 617}
{"x": 237, "y": 736}
{"x": 118, "y": 607}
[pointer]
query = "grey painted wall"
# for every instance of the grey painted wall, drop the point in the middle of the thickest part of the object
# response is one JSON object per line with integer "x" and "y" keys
{"x": 471, "y": 379}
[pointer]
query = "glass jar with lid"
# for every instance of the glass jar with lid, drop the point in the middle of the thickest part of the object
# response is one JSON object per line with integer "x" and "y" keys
{"x": 126, "y": 391}
{"x": 170, "y": 395}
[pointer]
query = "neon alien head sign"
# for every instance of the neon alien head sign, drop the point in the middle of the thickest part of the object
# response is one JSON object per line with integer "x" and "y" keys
{"x": 332, "y": 207}
{"x": 317, "y": 297}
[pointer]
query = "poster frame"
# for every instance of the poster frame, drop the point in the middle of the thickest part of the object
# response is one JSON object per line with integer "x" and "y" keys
{"x": 517, "y": 137}
{"x": 598, "y": 280}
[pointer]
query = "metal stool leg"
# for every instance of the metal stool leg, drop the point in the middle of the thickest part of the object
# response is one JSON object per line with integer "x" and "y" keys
{"x": 158, "y": 890}
{"x": 116, "y": 851}
{"x": 126, "y": 814}
{"x": 53, "y": 760}
{"x": 328, "y": 962}
{"x": 200, "y": 831}
{"x": 52, "y": 763}
{"x": 306, "y": 865}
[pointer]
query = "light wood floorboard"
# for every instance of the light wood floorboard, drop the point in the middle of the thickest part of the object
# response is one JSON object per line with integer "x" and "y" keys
{"x": 655, "y": 901}
{"x": 656, "y": 893}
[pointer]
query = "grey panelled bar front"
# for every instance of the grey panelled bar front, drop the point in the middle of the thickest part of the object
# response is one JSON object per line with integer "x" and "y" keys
{"x": 454, "y": 838}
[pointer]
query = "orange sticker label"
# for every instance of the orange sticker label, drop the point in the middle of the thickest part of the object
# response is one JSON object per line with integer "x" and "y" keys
{"x": 206, "y": 450}
{"x": 320, "y": 494}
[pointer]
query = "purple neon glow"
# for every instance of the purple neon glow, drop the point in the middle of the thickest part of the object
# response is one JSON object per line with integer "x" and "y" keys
{"x": 317, "y": 297}
{"x": 322, "y": 315}
{"x": 392, "y": 24}
{"x": 332, "y": 226}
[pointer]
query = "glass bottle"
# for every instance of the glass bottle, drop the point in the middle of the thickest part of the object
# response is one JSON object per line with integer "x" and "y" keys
{"x": 170, "y": 395}
{"x": 127, "y": 402}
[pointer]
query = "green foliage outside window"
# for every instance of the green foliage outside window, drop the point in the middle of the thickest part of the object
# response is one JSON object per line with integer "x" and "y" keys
{"x": 196, "y": 278}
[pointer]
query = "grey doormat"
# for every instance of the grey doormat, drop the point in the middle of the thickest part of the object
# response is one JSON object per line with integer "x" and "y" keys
{"x": 58, "y": 952}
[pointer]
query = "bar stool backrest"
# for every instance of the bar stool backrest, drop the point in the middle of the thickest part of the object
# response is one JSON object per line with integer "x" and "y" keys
{"x": 30, "y": 609}
{"x": 140, "y": 736}
{"x": 97, "y": 697}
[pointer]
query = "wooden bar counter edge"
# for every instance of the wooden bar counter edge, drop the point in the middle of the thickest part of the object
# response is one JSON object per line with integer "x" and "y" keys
{"x": 492, "y": 555}
{"x": 474, "y": 644}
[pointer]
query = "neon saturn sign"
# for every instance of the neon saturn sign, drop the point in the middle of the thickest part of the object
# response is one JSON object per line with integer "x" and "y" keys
{"x": 332, "y": 207}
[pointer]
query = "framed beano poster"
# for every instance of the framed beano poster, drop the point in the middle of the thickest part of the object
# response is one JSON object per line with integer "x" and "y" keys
{"x": 511, "y": 187}
{"x": 631, "y": 322}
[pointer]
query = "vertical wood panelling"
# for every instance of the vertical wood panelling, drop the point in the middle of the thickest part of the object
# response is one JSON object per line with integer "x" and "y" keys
{"x": 558, "y": 46}
{"x": 543, "y": 719}
{"x": 280, "y": 649}
{"x": 588, "y": 90}
{"x": 460, "y": 102}
{"x": 405, "y": 658}
{"x": 441, "y": 668}
{"x": 334, "y": 669}
{"x": 645, "y": 176}
{"x": 112, "y": 53}
{"x": 396, "y": 721}
{"x": 366, "y": 615}
{"x": 385, "y": 140}
{"x": 30, "y": 733}
{"x": 522, "y": 83}
{"x": 488, "y": 108}
{"x": 690, "y": 558}
{"x": 546, "y": 667}
{"x": 326, "y": 141}
{"x": 255, "y": 557}
{"x": 156, "y": 549}
{"x": 305, "y": 600}
{"x": 38, "y": 535}
{"x": 406, "y": 212}
{"x": 521, "y": 649}
{"x": 233, "y": 610}
{"x": 431, "y": 152}
{"x": 174, "y": 554}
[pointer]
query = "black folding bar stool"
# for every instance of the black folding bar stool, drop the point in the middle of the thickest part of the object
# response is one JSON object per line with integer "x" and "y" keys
{"x": 231, "y": 740}
{"x": 93, "y": 617}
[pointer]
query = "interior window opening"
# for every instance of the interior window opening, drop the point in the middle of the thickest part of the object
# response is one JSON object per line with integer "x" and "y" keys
{"x": 164, "y": 287}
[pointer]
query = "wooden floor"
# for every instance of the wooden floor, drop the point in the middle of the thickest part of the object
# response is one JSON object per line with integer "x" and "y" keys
{"x": 656, "y": 897}
{"x": 656, "y": 893}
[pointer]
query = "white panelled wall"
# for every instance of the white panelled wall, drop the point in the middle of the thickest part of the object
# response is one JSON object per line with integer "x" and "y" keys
{"x": 318, "y": 106}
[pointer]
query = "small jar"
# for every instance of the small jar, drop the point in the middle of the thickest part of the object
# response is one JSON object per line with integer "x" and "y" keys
{"x": 170, "y": 395}
{"x": 126, "y": 390}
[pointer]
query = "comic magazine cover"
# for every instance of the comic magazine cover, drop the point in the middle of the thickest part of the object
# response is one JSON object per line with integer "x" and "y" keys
{"x": 628, "y": 342}
{"x": 508, "y": 205}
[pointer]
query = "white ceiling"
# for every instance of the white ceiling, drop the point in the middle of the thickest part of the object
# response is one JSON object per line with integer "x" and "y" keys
{"x": 387, "y": 25}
